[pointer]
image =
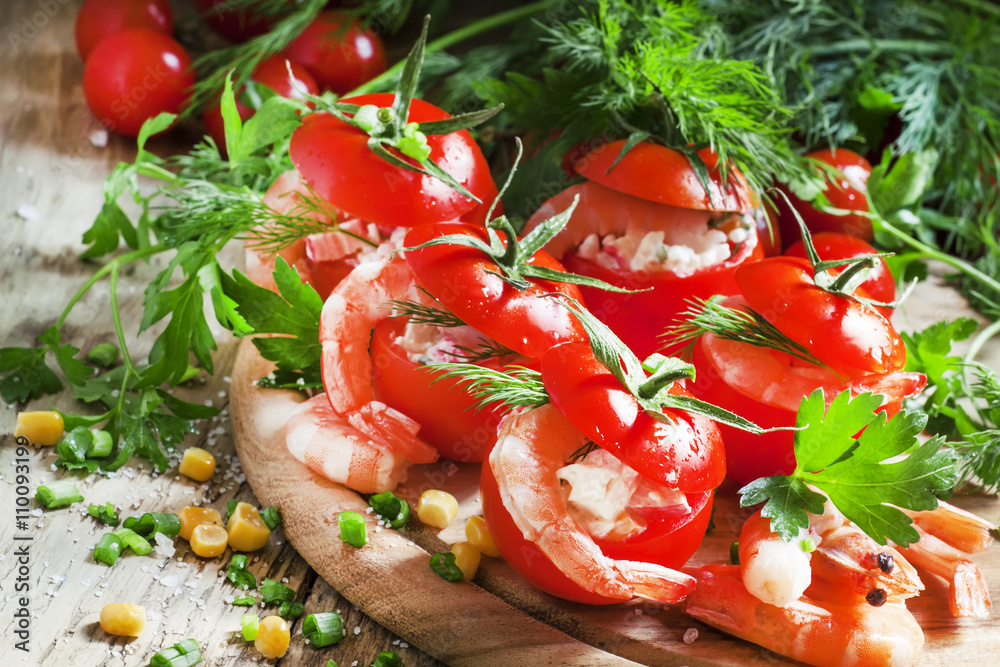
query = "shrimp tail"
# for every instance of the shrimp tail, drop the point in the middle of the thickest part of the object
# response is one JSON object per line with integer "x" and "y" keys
{"x": 961, "y": 529}
{"x": 655, "y": 582}
{"x": 384, "y": 424}
{"x": 967, "y": 592}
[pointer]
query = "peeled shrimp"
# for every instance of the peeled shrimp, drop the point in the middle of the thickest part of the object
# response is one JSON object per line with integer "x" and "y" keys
{"x": 967, "y": 592}
{"x": 811, "y": 631}
{"x": 349, "y": 451}
{"x": 963, "y": 530}
{"x": 531, "y": 447}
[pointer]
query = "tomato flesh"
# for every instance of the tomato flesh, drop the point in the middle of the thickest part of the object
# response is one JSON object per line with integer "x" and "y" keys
{"x": 99, "y": 19}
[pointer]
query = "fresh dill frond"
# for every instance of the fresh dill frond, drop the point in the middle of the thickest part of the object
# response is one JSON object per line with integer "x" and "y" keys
{"x": 421, "y": 313}
{"x": 487, "y": 349}
{"x": 516, "y": 387}
{"x": 743, "y": 325}
{"x": 584, "y": 451}
{"x": 978, "y": 460}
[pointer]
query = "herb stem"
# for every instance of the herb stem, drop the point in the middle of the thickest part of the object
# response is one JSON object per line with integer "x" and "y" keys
{"x": 117, "y": 319}
{"x": 980, "y": 6}
{"x": 454, "y": 37}
{"x": 894, "y": 45}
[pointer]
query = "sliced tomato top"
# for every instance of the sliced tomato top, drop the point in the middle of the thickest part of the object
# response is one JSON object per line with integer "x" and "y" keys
{"x": 687, "y": 455}
{"x": 334, "y": 159}
{"x": 468, "y": 283}
{"x": 663, "y": 175}
{"x": 840, "y": 332}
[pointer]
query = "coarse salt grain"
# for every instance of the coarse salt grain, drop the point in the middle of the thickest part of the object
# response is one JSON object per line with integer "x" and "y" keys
{"x": 690, "y": 635}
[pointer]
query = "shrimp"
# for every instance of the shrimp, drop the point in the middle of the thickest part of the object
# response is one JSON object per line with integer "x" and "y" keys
{"x": 348, "y": 451}
{"x": 963, "y": 530}
{"x": 531, "y": 447}
{"x": 816, "y": 632}
{"x": 967, "y": 592}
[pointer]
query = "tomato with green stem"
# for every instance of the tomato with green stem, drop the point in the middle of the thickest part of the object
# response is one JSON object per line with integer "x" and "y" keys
{"x": 339, "y": 52}
{"x": 99, "y": 19}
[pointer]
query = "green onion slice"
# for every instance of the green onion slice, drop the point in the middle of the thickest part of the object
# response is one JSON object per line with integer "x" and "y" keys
{"x": 133, "y": 541}
{"x": 108, "y": 548}
{"x": 74, "y": 445}
{"x": 388, "y": 659}
{"x": 323, "y": 629}
{"x": 272, "y": 591}
{"x": 155, "y": 522}
{"x": 245, "y": 601}
{"x": 100, "y": 446}
{"x": 231, "y": 506}
{"x": 106, "y": 514}
{"x": 184, "y": 654}
{"x": 103, "y": 355}
{"x": 58, "y": 494}
{"x": 444, "y": 565}
{"x": 237, "y": 573}
{"x": 734, "y": 552}
{"x": 352, "y": 529}
{"x": 270, "y": 516}
{"x": 290, "y": 609}
{"x": 249, "y": 623}
{"x": 393, "y": 510}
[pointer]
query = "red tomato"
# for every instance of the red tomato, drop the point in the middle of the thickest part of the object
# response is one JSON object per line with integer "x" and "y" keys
{"x": 766, "y": 386}
{"x": 232, "y": 22}
{"x": 135, "y": 75}
{"x": 839, "y": 331}
{"x": 447, "y": 419}
{"x": 832, "y": 245}
{"x": 100, "y": 18}
{"x": 850, "y": 194}
{"x": 668, "y": 540}
{"x": 335, "y": 160}
{"x": 687, "y": 455}
{"x": 465, "y": 281}
{"x": 663, "y": 175}
{"x": 274, "y": 74}
{"x": 639, "y": 318}
{"x": 338, "y": 52}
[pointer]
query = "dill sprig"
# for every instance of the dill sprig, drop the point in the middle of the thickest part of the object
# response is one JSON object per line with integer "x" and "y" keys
{"x": 487, "y": 349}
{"x": 742, "y": 324}
{"x": 421, "y": 313}
{"x": 583, "y": 451}
{"x": 516, "y": 387}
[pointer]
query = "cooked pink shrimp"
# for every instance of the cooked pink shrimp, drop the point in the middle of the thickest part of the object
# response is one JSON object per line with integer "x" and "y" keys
{"x": 963, "y": 530}
{"x": 346, "y": 450}
{"x": 811, "y": 631}
{"x": 531, "y": 447}
{"x": 967, "y": 592}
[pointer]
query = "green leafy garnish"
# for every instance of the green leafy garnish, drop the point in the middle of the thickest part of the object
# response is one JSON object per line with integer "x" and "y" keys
{"x": 886, "y": 465}
{"x": 106, "y": 514}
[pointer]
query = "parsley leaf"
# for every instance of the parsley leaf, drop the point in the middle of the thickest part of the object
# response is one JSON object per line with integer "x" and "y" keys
{"x": 886, "y": 465}
{"x": 27, "y": 375}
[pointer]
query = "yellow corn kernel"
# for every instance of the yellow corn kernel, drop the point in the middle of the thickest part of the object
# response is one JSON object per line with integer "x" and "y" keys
{"x": 466, "y": 558}
{"x": 437, "y": 508}
{"x": 479, "y": 535}
{"x": 42, "y": 427}
{"x": 192, "y": 516}
{"x": 197, "y": 464}
{"x": 209, "y": 540}
{"x": 122, "y": 619}
{"x": 273, "y": 637}
{"x": 247, "y": 531}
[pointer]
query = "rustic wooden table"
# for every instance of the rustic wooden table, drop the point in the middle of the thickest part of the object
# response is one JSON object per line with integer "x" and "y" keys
{"x": 50, "y": 190}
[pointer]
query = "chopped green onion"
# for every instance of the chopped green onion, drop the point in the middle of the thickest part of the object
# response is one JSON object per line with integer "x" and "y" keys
{"x": 249, "y": 624}
{"x": 108, "y": 548}
{"x": 138, "y": 544}
{"x": 331, "y": 663}
{"x": 444, "y": 565}
{"x": 237, "y": 573}
{"x": 103, "y": 355}
{"x": 352, "y": 529}
{"x": 388, "y": 659}
{"x": 184, "y": 654}
{"x": 58, "y": 494}
{"x": 245, "y": 601}
{"x": 734, "y": 552}
{"x": 392, "y": 509}
{"x": 101, "y": 445}
{"x": 74, "y": 445}
{"x": 231, "y": 506}
{"x": 274, "y": 591}
{"x": 154, "y": 522}
{"x": 323, "y": 629}
{"x": 291, "y": 609}
{"x": 106, "y": 514}
{"x": 270, "y": 516}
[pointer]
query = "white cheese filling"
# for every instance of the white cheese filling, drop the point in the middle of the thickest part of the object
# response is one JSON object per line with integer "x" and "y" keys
{"x": 427, "y": 344}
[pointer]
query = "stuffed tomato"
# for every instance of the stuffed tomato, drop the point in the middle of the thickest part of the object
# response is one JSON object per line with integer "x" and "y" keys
{"x": 648, "y": 224}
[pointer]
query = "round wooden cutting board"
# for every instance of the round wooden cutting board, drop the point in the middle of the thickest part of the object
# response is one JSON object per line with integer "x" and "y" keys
{"x": 499, "y": 619}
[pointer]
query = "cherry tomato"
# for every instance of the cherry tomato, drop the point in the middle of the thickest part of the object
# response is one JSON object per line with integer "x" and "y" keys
{"x": 233, "y": 22}
{"x": 335, "y": 160}
{"x": 840, "y": 332}
{"x": 663, "y": 175}
{"x": 881, "y": 286}
{"x": 668, "y": 540}
{"x": 465, "y": 281}
{"x": 273, "y": 73}
{"x": 638, "y": 318}
{"x": 686, "y": 455}
{"x": 339, "y": 53}
{"x": 448, "y": 420}
{"x": 849, "y": 194}
{"x": 101, "y": 18}
{"x": 135, "y": 75}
